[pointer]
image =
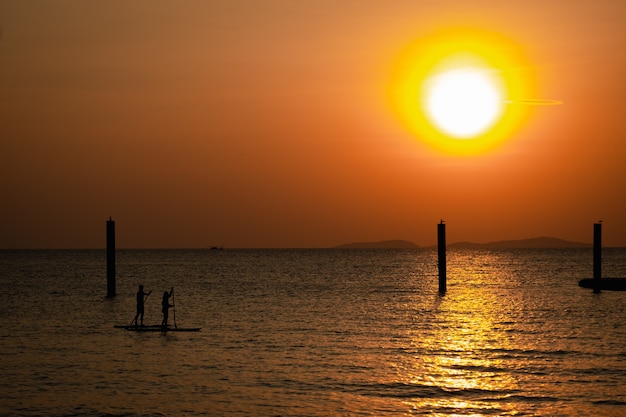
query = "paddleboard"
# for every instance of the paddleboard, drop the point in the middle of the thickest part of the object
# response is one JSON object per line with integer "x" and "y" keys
{"x": 157, "y": 328}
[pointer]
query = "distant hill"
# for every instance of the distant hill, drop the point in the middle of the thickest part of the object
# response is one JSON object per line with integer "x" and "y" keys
{"x": 385, "y": 244}
{"x": 536, "y": 242}
{"x": 533, "y": 243}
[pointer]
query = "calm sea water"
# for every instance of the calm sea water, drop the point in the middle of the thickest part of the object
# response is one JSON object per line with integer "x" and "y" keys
{"x": 313, "y": 333}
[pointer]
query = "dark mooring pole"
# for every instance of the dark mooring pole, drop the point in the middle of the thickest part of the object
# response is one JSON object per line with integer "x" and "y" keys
{"x": 441, "y": 245}
{"x": 110, "y": 258}
{"x": 597, "y": 256}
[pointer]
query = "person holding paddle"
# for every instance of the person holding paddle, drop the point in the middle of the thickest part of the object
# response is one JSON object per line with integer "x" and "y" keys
{"x": 141, "y": 299}
{"x": 166, "y": 306}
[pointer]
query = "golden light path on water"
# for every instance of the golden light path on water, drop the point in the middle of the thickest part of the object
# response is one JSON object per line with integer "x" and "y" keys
{"x": 466, "y": 326}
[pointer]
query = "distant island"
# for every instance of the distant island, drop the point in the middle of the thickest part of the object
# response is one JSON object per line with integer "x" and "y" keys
{"x": 532, "y": 243}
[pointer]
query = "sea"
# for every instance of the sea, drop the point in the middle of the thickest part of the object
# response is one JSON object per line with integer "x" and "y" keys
{"x": 313, "y": 332}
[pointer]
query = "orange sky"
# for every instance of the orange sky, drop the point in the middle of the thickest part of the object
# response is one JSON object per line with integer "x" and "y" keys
{"x": 267, "y": 124}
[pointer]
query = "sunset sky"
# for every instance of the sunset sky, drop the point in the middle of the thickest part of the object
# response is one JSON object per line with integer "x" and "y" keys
{"x": 248, "y": 123}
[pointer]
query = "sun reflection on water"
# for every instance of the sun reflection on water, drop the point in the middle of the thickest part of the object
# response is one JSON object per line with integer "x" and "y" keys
{"x": 457, "y": 353}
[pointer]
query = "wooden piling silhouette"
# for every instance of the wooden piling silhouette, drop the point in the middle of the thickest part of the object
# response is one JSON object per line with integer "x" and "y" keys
{"x": 441, "y": 252}
{"x": 597, "y": 256}
{"x": 597, "y": 283}
{"x": 110, "y": 258}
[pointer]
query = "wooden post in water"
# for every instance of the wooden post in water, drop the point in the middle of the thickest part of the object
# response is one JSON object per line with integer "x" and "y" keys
{"x": 110, "y": 258}
{"x": 597, "y": 256}
{"x": 441, "y": 246}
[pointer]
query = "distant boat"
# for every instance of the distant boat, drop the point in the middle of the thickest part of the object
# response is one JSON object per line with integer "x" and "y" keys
{"x": 157, "y": 328}
{"x": 216, "y": 248}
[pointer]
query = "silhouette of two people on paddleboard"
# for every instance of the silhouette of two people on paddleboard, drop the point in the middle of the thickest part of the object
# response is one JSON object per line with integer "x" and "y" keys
{"x": 141, "y": 299}
{"x": 142, "y": 296}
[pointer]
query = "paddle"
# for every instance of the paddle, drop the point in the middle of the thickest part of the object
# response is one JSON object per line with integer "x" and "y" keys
{"x": 174, "y": 307}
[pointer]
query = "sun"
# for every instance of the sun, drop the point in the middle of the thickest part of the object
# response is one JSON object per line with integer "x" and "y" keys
{"x": 454, "y": 90}
{"x": 463, "y": 102}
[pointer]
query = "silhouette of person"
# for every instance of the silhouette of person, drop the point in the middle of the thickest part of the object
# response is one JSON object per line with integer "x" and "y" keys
{"x": 141, "y": 298}
{"x": 166, "y": 306}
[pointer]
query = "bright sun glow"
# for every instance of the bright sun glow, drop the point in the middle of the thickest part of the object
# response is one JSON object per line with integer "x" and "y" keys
{"x": 457, "y": 90}
{"x": 463, "y": 102}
